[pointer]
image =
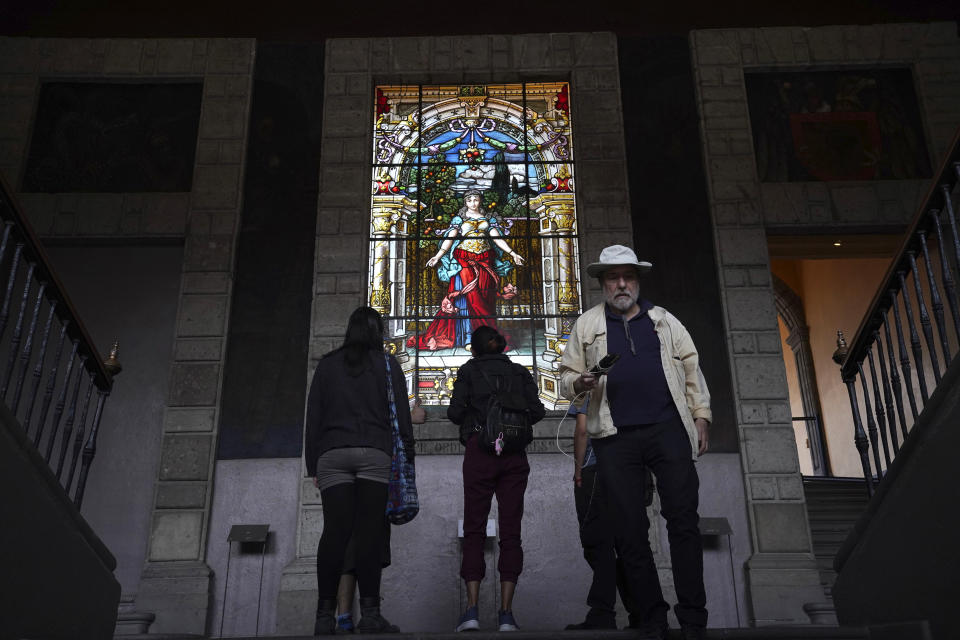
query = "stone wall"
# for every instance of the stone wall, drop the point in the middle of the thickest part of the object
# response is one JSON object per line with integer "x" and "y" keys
{"x": 781, "y": 574}
{"x": 204, "y": 220}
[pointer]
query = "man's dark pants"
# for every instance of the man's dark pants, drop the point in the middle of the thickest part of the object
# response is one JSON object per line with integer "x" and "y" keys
{"x": 665, "y": 448}
{"x": 599, "y": 550}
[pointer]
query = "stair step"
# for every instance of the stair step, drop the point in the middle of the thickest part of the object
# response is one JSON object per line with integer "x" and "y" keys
{"x": 833, "y": 507}
{"x": 831, "y": 526}
{"x": 829, "y": 538}
{"x": 829, "y": 533}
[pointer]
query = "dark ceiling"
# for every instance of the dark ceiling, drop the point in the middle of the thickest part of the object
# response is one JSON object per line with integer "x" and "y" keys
{"x": 303, "y": 20}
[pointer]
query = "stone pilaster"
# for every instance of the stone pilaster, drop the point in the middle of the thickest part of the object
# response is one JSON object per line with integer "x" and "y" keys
{"x": 781, "y": 575}
{"x": 176, "y": 580}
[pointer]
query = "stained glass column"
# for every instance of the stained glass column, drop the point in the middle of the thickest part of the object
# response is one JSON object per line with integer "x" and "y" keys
{"x": 388, "y": 229}
{"x": 557, "y": 226}
{"x": 568, "y": 297}
{"x": 386, "y": 211}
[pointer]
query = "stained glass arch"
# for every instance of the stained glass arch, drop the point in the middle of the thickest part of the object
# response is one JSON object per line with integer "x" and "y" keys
{"x": 474, "y": 222}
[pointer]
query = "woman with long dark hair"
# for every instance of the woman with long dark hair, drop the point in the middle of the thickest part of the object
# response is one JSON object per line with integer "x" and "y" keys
{"x": 348, "y": 448}
{"x": 486, "y": 474}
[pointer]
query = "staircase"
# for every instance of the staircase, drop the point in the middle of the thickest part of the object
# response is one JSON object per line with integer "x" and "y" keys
{"x": 56, "y": 579}
{"x": 900, "y": 561}
{"x": 833, "y": 506}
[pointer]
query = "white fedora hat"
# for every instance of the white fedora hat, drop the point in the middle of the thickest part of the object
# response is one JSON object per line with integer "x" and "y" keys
{"x": 614, "y": 256}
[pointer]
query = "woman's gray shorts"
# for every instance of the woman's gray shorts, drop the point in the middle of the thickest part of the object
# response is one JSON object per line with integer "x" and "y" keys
{"x": 338, "y": 466}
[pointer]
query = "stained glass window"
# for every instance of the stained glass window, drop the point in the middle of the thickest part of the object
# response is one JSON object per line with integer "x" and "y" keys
{"x": 473, "y": 222}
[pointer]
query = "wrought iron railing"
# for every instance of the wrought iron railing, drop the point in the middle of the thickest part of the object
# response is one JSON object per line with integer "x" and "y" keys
{"x": 49, "y": 366}
{"x": 903, "y": 369}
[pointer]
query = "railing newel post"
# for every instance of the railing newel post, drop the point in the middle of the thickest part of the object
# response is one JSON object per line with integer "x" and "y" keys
{"x": 90, "y": 449}
{"x": 113, "y": 367}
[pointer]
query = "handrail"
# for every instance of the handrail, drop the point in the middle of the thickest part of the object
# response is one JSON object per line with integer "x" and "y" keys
{"x": 55, "y": 289}
{"x": 921, "y": 278}
{"x": 37, "y": 318}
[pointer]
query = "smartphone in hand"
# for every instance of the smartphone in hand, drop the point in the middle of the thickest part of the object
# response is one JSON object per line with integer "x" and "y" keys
{"x": 605, "y": 364}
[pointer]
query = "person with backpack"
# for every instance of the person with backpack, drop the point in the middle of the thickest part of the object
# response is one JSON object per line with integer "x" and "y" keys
{"x": 495, "y": 402}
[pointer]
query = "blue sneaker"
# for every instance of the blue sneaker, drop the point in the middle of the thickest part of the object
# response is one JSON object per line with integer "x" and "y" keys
{"x": 470, "y": 620}
{"x": 506, "y": 621}
{"x": 344, "y": 623}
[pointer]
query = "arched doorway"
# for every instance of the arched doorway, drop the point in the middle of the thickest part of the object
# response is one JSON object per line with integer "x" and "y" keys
{"x": 791, "y": 313}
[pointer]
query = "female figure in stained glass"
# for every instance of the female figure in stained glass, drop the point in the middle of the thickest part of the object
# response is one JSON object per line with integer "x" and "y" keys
{"x": 470, "y": 260}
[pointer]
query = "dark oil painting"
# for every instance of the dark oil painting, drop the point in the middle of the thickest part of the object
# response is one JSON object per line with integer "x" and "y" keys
{"x": 860, "y": 124}
{"x": 114, "y": 137}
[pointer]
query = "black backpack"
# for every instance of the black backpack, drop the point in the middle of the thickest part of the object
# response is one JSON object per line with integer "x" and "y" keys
{"x": 505, "y": 426}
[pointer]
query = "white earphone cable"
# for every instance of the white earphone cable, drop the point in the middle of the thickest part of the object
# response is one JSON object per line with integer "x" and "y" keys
{"x": 565, "y": 416}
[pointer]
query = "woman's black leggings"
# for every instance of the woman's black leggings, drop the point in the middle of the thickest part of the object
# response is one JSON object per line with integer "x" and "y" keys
{"x": 352, "y": 509}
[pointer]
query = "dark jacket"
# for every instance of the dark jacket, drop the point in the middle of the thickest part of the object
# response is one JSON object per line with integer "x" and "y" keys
{"x": 471, "y": 391}
{"x": 347, "y": 411}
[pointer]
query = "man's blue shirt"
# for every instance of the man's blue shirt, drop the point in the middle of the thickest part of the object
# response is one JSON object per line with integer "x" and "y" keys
{"x": 637, "y": 388}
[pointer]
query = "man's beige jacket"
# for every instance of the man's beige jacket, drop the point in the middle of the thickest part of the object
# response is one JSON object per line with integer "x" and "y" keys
{"x": 678, "y": 356}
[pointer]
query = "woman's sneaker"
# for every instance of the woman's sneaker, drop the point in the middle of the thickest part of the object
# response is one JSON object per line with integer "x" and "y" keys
{"x": 345, "y": 623}
{"x": 470, "y": 620}
{"x": 506, "y": 621}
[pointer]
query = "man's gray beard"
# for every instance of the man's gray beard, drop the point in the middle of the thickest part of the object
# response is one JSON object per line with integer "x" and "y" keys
{"x": 621, "y": 304}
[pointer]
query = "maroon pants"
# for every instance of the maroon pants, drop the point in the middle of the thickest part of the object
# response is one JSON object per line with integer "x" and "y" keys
{"x": 484, "y": 475}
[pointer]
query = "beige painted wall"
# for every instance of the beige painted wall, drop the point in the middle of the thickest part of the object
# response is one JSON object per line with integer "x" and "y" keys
{"x": 836, "y": 294}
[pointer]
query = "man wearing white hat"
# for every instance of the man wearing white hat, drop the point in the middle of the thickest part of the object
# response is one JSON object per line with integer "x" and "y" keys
{"x": 650, "y": 409}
